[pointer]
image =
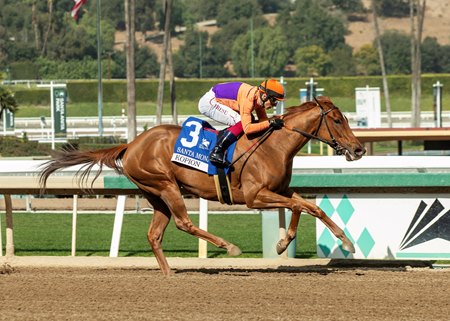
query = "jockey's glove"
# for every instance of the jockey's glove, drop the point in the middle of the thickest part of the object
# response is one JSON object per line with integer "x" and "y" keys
{"x": 276, "y": 123}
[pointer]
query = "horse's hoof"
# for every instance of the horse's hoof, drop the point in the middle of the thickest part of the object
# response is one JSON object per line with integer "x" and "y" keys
{"x": 348, "y": 246}
{"x": 233, "y": 250}
{"x": 166, "y": 272}
{"x": 280, "y": 247}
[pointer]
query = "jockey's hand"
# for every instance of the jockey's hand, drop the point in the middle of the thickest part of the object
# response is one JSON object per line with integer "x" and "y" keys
{"x": 276, "y": 123}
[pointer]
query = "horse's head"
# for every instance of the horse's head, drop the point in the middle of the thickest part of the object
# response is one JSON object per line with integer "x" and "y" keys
{"x": 322, "y": 120}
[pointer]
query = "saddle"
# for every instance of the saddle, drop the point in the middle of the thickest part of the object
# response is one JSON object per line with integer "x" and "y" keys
{"x": 192, "y": 148}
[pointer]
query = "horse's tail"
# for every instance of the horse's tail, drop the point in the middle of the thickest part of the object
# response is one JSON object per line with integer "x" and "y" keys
{"x": 109, "y": 157}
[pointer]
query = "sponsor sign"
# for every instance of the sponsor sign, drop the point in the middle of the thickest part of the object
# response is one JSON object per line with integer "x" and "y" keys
{"x": 415, "y": 226}
{"x": 368, "y": 106}
{"x": 59, "y": 110}
{"x": 8, "y": 120}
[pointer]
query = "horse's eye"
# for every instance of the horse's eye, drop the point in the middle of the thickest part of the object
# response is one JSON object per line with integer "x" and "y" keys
{"x": 337, "y": 121}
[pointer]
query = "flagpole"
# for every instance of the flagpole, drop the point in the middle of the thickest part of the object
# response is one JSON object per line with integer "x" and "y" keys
{"x": 99, "y": 63}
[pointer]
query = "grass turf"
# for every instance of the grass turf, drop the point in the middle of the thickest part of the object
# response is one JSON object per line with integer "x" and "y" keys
{"x": 42, "y": 234}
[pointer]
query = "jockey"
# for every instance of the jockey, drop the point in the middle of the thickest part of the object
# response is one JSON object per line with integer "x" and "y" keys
{"x": 232, "y": 104}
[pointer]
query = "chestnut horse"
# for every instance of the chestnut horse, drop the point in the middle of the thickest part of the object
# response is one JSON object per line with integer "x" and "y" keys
{"x": 260, "y": 179}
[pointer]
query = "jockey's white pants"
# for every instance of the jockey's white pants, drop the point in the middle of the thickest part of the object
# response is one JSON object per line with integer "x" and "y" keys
{"x": 209, "y": 107}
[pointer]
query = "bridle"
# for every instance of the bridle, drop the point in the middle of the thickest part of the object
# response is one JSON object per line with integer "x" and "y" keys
{"x": 323, "y": 119}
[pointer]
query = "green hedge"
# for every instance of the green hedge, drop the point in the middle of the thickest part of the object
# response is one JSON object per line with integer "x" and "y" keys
{"x": 36, "y": 96}
{"x": 22, "y": 147}
{"x": 192, "y": 89}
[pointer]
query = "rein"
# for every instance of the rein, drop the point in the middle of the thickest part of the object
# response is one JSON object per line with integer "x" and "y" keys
{"x": 333, "y": 143}
{"x": 258, "y": 142}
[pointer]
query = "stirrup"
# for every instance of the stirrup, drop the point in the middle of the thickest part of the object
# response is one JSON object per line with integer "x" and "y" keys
{"x": 219, "y": 160}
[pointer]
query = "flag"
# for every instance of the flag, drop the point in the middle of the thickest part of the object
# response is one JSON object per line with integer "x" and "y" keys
{"x": 77, "y": 7}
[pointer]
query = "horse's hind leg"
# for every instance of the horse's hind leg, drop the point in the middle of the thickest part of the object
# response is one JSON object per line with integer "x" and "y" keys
{"x": 172, "y": 197}
{"x": 160, "y": 220}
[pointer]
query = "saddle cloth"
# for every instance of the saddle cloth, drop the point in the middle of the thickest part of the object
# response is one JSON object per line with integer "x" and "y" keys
{"x": 194, "y": 144}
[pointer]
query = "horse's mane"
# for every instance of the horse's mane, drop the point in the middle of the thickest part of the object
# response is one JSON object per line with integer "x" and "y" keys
{"x": 306, "y": 106}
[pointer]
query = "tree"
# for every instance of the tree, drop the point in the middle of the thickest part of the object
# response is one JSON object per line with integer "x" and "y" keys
{"x": 349, "y": 5}
{"x": 146, "y": 63}
{"x": 165, "y": 59}
{"x": 34, "y": 22}
{"x": 76, "y": 41}
{"x": 342, "y": 62}
{"x": 312, "y": 61}
{"x": 269, "y": 61}
{"x": 7, "y": 101}
{"x": 312, "y": 24}
{"x": 417, "y": 15}
{"x": 231, "y": 10}
{"x": 49, "y": 25}
{"x": 432, "y": 56}
{"x": 392, "y": 8}
{"x": 396, "y": 51}
{"x": 445, "y": 58}
{"x": 378, "y": 44}
{"x": 223, "y": 39}
{"x": 367, "y": 61}
{"x": 176, "y": 14}
{"x": 130, "y": 6}
{"x": 146, "y": 15}
{"x": 273, "y": 6}
{"x": 196, "y": 59}
{"x": 199, "y": 10}
{"x": 3, "y": 51}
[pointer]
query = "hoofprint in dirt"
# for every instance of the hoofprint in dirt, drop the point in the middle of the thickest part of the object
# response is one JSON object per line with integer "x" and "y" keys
{"x": 295, "y": 293}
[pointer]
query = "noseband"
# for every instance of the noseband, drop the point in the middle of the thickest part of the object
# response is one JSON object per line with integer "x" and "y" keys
{"x": 323, "y": 119}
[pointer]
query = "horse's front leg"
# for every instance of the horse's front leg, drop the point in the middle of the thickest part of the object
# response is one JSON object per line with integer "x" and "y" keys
{"x": 268, "y": 199}
{"x": 291, "y": 233}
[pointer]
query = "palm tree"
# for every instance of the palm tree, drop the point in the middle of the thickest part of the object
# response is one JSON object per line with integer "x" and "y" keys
{"x": 7, "y": 101}
{"x": 382, "y": 65}
{"x": 417, "y": 15}
{"x": 164, "y": 60}
{"x": 49, "y": 25}
{"x": 130, "y": 12}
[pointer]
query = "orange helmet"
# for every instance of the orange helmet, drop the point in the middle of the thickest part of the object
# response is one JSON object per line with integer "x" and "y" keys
{"x": 272, "y": 88}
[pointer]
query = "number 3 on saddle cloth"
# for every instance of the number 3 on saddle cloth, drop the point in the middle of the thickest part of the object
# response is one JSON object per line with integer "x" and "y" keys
{"x": 192, "y": 148}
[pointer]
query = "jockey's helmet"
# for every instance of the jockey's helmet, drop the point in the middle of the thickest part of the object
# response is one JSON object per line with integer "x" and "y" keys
{"x": 272, "y": 88}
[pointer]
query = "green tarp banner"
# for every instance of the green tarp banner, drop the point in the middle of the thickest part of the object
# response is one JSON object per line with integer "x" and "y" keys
{"x": 59, "y": 110}
{"x": 8, "y": 119}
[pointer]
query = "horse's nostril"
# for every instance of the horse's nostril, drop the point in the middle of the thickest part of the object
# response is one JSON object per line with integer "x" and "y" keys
{"x": 360, "y": 151}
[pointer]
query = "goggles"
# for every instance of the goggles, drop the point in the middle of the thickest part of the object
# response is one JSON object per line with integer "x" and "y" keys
{"x": 272, "y": 100}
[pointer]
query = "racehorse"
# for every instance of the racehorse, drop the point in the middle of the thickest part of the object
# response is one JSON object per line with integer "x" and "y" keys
{"x": 259, "y": 178}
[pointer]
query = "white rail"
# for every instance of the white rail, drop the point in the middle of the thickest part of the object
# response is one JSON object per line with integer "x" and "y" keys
{"x": 22, "y": 168}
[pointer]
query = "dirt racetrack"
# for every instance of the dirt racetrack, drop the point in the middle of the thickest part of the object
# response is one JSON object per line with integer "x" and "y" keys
{"x": 221, "y": 290}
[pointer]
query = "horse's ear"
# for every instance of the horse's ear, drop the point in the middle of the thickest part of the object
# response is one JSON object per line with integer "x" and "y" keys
{"x": 323, "y": 99}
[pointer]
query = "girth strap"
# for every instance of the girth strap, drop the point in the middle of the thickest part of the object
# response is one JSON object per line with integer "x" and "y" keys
{"x": 223, "y": 187}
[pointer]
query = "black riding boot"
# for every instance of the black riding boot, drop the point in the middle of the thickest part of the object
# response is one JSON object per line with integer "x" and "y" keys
{"x": 224, "y": 139}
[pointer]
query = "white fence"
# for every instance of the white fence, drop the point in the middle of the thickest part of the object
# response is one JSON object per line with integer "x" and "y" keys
{"x": 35, "y": 129}
{"x": 21, "y": 169}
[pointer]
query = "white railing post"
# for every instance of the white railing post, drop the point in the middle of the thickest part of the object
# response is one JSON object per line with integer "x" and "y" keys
{"x": 9, "y": 226}
{"x": 1, "y": 242}
{"x": 203, "y": 224}
{"x": 118, "y": 220}
{"x": 74, "y": 224}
